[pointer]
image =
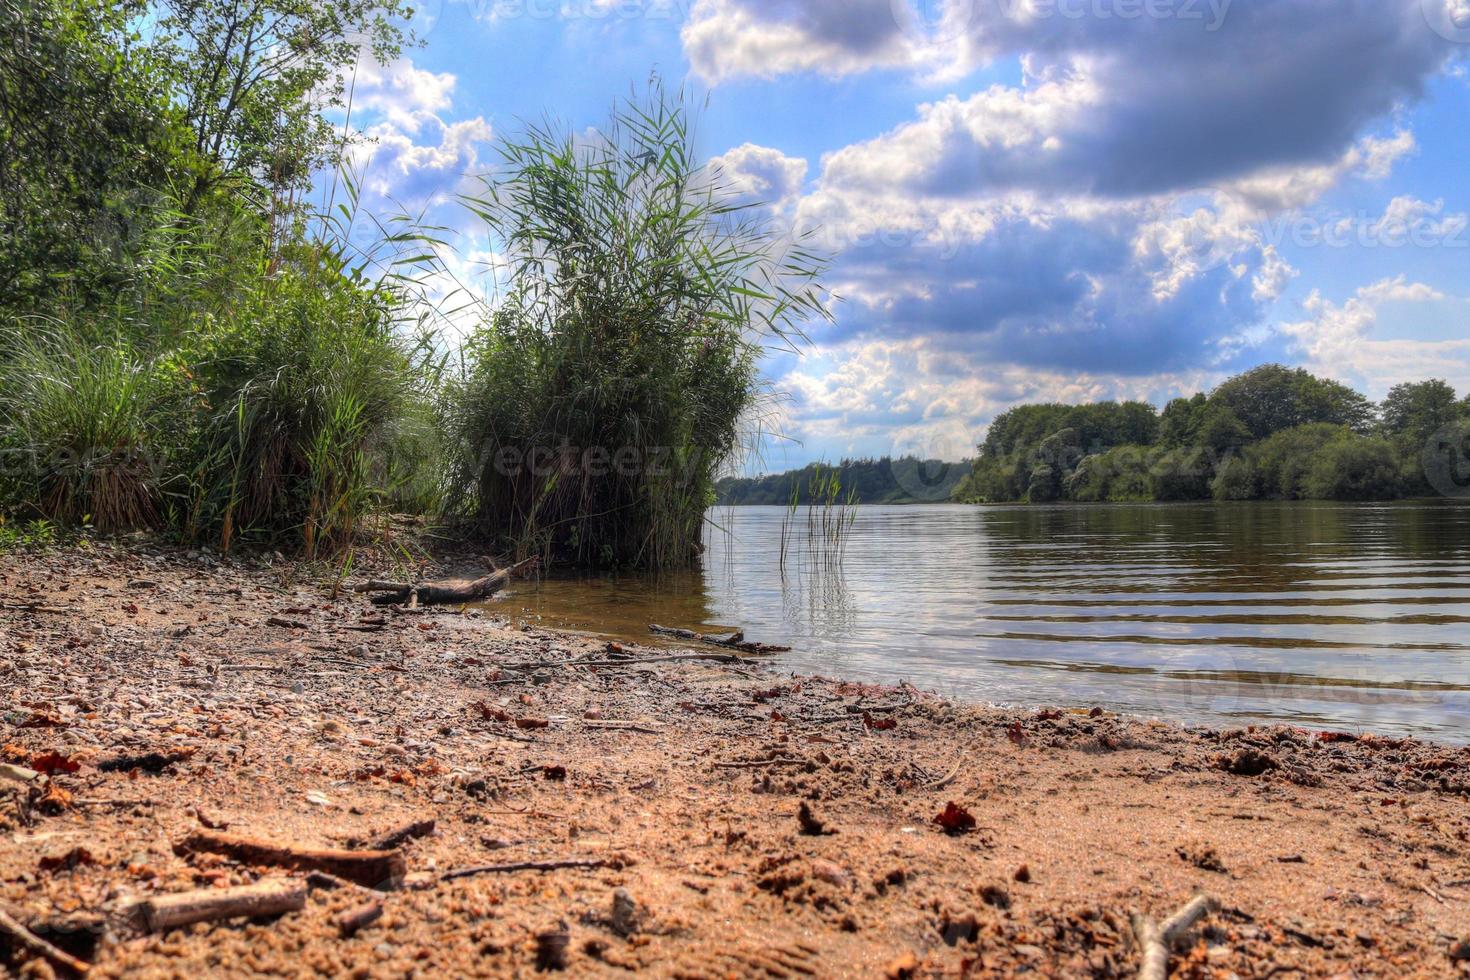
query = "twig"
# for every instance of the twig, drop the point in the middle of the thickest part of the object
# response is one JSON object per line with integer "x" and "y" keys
{"x": 735, "y": 640}
{"x": 760, "y": 763}
{"x": 401, "y": 835}
{"x": 489, "y": 869}
{"x": 32, "y": 607}
{"x": 941, "y": 783}
{"x": 33, "y": 943}
{"x": 212, "y": 904}
{"x": 631, "y": 726}
{"x": 357, "y": 918}
{"x": 1155, "y": 940}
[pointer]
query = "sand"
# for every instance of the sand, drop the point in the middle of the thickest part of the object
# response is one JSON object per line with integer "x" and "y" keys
{"x": 742, "y": 821}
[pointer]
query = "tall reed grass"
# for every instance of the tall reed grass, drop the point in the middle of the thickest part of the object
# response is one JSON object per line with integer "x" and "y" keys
{"x": 608, "y": 389}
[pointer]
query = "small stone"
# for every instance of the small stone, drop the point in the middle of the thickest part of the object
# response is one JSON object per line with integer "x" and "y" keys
{"x": 625, "y": 913}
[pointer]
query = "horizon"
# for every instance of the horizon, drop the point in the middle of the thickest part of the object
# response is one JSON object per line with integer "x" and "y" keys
{"x": 1083, "y": 203}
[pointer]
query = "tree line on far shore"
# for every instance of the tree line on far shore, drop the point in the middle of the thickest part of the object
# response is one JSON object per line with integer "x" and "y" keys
{"x": 1272, "y": 433}
{"x": 883, "y": 480}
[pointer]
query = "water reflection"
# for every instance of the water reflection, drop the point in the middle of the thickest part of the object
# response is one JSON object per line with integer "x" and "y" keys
{"x": 1344, "y": 615}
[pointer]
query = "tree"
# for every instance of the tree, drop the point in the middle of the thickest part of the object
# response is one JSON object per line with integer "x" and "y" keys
{"x": 1271, "y": 398}
{"x": 1416, "y": 410}
{"x": 255, "y": 76}
{"x": 85, "y": 123}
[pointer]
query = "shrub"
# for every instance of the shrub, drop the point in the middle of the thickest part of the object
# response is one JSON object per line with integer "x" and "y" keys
{"x": 609, "y": 388}
{"x": 1352, "y": 467}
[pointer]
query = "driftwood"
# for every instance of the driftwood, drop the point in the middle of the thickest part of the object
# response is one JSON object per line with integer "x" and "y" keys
{"x": 443, "y": 593}
{"x": 163, "y": 912}
{"x": 1155, "y": 941}
{"x": 735, "y": 640}
{"x": 375, "y": 869}
{"x": 20, "y": 936}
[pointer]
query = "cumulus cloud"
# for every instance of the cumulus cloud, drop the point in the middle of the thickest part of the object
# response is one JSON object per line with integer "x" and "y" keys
{"x": 1109, "y": 104}
{"x": 1337, "y": 339}
{"x": 727, "y": 39}
{"x": 760, "y": 174}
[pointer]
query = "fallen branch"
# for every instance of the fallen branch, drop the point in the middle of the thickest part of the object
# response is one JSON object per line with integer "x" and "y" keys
{"x": 735, "y": 640}
{"x": 443, "y": 593}
{"x": 20, "y": 936}
{"x": 375, "y": 869}
{"x": 34, "y": 607}
{"x": 1155, "y": 941}
{"x": 213, "y": 904}
{"x": 490, "y": 869}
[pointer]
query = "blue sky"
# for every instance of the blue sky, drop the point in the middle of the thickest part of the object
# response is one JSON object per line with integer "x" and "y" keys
{"x": 1026, "y": 199}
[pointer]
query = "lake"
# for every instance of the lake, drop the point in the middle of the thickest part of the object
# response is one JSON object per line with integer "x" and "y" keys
{"x": 1324, "y": 615}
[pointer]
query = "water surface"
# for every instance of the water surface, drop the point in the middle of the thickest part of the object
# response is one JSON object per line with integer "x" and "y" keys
{"x": 1326, "y": 615}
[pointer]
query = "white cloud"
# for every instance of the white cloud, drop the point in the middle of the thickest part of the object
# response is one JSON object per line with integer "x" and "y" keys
{"x": 760, "y": 174}
{"x": 1336, "y": 339}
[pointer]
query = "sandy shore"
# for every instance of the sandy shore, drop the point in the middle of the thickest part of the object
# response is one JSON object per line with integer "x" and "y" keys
{"x": 731, "y": 820}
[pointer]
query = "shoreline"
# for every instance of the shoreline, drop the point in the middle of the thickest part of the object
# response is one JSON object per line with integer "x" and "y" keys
{"x": 274, "y": 710}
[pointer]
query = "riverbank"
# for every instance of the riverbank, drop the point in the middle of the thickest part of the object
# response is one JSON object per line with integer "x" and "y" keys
{"x": 736, "y": 820}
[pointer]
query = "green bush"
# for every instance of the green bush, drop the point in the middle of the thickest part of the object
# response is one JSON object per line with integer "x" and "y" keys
{"x": 1282, "y": 461}
{"x": 1353, "y": 467}
{"x": 609, "y": 389}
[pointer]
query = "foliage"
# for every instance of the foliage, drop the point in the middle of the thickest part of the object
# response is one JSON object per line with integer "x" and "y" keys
{"x": 253, "y": 77}
{"x": 87, "y": 135}
{"x": 885, "y": 480}
{"x": 1270, "y": 398}
{"x": 1272, "y": 432}
{"x": 608, "y": 390}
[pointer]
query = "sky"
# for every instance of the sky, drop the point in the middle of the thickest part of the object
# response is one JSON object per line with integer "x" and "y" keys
{"x": 1024, "y": 200}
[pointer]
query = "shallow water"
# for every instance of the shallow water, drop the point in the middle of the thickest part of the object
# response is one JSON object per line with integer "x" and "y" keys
{"x": 1326, "y": 615}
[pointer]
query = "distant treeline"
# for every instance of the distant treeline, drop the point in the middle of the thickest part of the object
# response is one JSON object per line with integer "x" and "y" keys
{"x": 904, "y": 480}
{"x": 1272, "y": 433}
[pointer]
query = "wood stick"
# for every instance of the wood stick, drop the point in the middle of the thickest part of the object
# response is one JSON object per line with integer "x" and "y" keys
{"x": 375, "y": 869}
{"x": 357, "y": 918}
{"x": 1155, "y": 941}
{"x": 401, "y": 835}
{"x": 759, "y": 763}
{"x": 631, "y": 726}
{"x": 735, "y": 640}
{"x": 34, "y": 944}
{"x": 441, "y": 593}
{"x": 212, "y": 904}
{"x": 489, "y": 869}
